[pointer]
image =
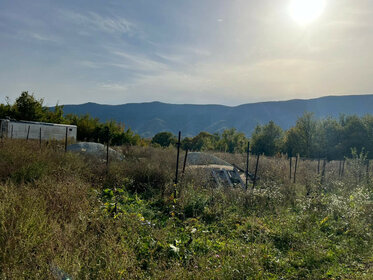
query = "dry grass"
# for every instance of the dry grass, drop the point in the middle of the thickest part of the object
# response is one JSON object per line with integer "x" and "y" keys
{"x": 64, "y": 213}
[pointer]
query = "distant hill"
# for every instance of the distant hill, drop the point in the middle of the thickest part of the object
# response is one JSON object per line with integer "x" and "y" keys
{"x": 148, "y": 119}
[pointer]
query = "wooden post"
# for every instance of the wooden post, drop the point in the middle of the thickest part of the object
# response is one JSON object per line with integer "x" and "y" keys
{"x": 340, "y": 169}
{"x": 177, "y": 162}
{"x": 290, "y": 163}
{"x": 247, "y": 164}
{"x": 28, "y": 133}
{"x": 256, "y": 170}
{"x": 343, "y": 167}
{"x": 11, "y": 133}
{"x": 185, "y": 160}
{"x": 295, "y": 168}
{"x": 66, "y": 140}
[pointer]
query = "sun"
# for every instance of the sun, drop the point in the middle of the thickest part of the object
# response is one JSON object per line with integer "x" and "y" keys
{"x": 306, "y": 11}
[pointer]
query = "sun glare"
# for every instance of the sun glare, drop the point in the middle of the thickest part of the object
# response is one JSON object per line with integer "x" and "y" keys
{"x": 306, "y": 11}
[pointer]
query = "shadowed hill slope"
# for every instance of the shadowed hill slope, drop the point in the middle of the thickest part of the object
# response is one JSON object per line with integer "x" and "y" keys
{"x": 149, "y": 118}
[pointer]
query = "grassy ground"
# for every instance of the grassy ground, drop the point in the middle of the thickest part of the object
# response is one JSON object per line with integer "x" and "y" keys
{"x": 64, "y": 214}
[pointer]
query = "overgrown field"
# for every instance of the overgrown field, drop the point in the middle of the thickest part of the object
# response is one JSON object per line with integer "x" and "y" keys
{"x": 64, "y": 214}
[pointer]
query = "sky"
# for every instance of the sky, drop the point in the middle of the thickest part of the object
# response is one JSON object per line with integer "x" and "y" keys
{"x": 193, "y": 51}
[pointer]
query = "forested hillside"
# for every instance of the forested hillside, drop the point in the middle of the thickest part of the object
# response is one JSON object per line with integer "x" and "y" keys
{"x": 147, "y": 119}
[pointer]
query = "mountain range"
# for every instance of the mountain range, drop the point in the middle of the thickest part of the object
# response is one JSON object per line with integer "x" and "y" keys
{"x": 147, "y": 119}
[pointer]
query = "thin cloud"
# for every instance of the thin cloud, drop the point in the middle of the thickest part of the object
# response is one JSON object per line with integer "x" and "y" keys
{"x": 90, "y": 64}
{"x": 92, "y": 20}
{"x": 43, "y": 37}
{"x": 183, "y": 55}
{"x": 138, "y": 62}
{"x": 114, "y": 87}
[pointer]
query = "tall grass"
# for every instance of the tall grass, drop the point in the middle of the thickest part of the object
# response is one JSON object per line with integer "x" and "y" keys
{"x": 65, "y": 214}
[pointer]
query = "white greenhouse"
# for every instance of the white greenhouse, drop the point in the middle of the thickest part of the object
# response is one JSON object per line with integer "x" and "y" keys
{"x": 36, "y": 130}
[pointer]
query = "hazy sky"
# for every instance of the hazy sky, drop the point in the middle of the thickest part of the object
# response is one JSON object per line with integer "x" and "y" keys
{"x": 192, "y": 51}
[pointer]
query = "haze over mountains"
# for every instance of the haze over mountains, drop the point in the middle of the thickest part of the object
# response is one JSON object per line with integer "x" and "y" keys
{"x": 147, "y": 119}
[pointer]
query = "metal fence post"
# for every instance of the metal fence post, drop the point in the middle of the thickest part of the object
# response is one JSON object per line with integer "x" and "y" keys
{"x": 256, "y": 170}
{"x": 66, "y": 140}
{"x": 295, "y": 168}
{"x": 177, "y": 163}
{"x": 247, "y": 164}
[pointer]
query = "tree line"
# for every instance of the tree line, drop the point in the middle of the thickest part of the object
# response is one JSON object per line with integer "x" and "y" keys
{"x": 230, "y": 140}
{"x": 28, "y": 108}
{"x": 328, "y": 138}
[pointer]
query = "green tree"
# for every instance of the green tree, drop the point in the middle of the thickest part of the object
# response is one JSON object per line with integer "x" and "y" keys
{"x": 187, "y": 143}
{"x": 301, "y": 138}
{"x": 28, "y": 108}
{"x": 89, "y": 128}
{"x": 368, "y": 123}
{"x": 292, "y": 144}
{"x": 232, "y": 141}
{"x": 55, "y": 116}
{"x": 328, "y": 136}
{"x": 354, "y": 135}
{"x": 204, "y": 141}
{"x": 6, "y": 110}
{"x": 267, "y": 139}
{"x": 164, "y": 139}
{"x": 127, "y": 137}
